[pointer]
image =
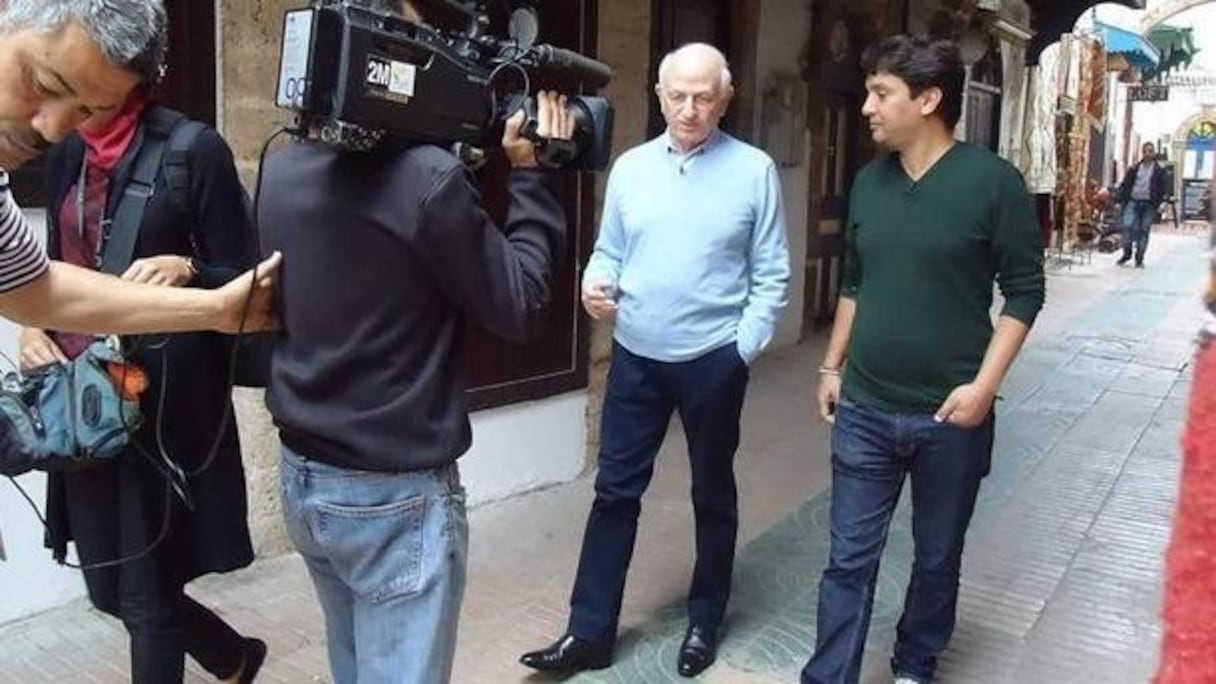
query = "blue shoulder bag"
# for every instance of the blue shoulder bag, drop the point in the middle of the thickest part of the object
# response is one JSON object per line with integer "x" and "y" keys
{"x": 64, "y": 416}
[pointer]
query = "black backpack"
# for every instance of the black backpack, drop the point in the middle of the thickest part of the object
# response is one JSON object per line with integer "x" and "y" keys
{"x": 168, "y": 138}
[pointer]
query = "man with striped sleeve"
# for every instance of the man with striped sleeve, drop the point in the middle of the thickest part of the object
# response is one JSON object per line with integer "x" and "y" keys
{"x": 50, "y": 83}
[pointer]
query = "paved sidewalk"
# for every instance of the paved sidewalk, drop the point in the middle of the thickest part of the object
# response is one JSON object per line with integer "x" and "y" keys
{"x": 1061, "y": 578}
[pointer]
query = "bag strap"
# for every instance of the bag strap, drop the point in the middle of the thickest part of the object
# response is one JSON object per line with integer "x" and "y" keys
{"x": 177, "y": 165}
{"x": 167, "y": 137}
{"x": 119, "y": 247}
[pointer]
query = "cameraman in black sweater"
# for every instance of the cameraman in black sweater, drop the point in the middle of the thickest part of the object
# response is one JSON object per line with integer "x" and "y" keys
{"x": 388, "y": 256}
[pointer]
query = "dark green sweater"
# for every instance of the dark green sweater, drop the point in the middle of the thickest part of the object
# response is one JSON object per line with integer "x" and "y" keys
{"x": 922, "y": 259}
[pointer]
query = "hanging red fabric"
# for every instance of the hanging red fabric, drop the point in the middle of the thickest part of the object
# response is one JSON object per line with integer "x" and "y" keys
{"x": 1189, "y": 645}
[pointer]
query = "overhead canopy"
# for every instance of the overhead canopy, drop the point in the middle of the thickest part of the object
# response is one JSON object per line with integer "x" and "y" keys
{"x": 1133, "y": 47}
{"x": 1053, "y": 18}
{"x": 1176, "y": 45}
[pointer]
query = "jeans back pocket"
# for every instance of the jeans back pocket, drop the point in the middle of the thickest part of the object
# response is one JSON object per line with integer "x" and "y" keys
{"x": 376, "y": 550}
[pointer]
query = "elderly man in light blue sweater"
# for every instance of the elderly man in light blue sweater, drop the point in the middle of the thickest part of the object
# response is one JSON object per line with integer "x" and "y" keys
{"x": 692, "y": 263}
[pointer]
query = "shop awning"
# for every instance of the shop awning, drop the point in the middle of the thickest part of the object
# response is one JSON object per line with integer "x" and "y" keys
{"x": 1053, "y": 18}
{"x": 1176, "y": 45}
{"x": 1133, "y": 47}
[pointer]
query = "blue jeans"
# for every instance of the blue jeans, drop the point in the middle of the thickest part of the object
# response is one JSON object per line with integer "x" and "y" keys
{"x": 872, "y": 452}
{"x": 641, "y": 396}
{"x": 1138, "y": 220}
{"x": 387, "y": 554}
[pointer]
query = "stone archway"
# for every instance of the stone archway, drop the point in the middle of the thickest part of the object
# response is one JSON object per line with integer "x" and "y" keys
{"x": 1165, "y": 11}
{"x": 1179, "y": 143}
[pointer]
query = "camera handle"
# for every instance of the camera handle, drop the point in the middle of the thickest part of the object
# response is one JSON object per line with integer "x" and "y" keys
{"x": 551, "y": 153}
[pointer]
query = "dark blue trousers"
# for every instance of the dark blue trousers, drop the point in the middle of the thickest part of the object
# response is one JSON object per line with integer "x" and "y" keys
{"x": 640, "y": 398}
{"x": 872, "y": 454}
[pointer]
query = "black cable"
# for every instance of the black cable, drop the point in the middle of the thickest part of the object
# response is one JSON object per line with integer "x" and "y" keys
{"x": 220, "y": 432}
{"x": 160, "y": 537}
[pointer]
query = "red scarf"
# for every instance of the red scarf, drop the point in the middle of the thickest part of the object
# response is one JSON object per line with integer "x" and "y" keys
{"x": 106, "y": 147}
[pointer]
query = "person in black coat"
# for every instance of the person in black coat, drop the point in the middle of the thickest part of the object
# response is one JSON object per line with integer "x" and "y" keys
{"x": 126, "y": 510}
{"x": 1141, "y": 192}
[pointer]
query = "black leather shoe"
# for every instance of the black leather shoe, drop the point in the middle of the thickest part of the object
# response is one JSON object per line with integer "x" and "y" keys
{"x": 255, "y": 655}
{"x": 698, "y": 651}
{"x": 570, "y": 654}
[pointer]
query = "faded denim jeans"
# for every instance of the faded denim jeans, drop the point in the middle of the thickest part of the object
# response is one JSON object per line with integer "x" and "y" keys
{"x": 387, "y": 554}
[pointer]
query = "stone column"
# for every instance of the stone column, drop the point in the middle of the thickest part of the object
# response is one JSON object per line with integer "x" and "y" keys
{"x": 624, "y": 42}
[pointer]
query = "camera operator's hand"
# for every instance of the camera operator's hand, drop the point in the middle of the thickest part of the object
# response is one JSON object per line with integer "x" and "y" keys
{"x": 553, "y": 120}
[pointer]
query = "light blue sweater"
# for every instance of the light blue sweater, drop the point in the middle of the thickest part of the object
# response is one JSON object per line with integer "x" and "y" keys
{"x": 696, "y": 248}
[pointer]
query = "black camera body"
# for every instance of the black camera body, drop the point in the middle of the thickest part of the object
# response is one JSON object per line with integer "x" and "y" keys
{"x": 356, "y": 77}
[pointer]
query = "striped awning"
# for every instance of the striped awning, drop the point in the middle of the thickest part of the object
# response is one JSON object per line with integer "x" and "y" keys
{"x": 1133, "y": 47}
{"x": 1053, "y": 18}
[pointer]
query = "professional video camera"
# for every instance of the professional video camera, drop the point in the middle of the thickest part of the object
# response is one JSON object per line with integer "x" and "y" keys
{"x": 356, "y": 77}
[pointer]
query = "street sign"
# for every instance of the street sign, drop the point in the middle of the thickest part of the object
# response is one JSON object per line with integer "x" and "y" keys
{"x": 1149, "y": 93}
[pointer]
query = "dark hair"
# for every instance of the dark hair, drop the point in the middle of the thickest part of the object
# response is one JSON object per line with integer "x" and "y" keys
{"x": 922, "y": 64}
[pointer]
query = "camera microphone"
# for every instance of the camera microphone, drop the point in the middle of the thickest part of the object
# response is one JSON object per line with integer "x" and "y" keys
{"x": 594, "y": 73}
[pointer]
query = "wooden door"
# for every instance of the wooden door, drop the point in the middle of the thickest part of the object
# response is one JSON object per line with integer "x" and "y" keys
{"x": 499, "y": 373}
{"x": 678, "y": 22}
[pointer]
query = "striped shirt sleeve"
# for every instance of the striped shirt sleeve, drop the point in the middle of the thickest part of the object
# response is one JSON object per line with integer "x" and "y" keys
{"x": 22, "y": 257}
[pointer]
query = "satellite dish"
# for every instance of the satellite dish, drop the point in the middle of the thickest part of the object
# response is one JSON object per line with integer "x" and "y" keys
{"x": 524, "y": 27}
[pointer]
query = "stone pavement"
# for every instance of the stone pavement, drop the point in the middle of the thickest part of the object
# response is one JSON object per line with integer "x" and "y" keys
{"x": 1061, "y": 579}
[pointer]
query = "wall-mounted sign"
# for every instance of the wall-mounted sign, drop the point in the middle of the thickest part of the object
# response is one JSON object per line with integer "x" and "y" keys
{"x": 1149, "y": 93}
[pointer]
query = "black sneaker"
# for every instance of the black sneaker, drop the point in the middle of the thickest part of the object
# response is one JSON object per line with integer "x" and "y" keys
{"x": 1123, "y": 260}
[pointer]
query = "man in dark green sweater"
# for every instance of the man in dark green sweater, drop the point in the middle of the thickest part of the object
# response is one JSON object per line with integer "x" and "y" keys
{"x": 914, "y": 362}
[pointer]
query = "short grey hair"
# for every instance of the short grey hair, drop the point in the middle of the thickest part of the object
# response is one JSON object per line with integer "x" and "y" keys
{"x": 704, "y": 50}
{"x": 131, "y": 34}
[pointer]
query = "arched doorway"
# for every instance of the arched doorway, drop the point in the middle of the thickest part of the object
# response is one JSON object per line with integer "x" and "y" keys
{"x": 1195, "y": 152}
{"x": 1164, "y": 11}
